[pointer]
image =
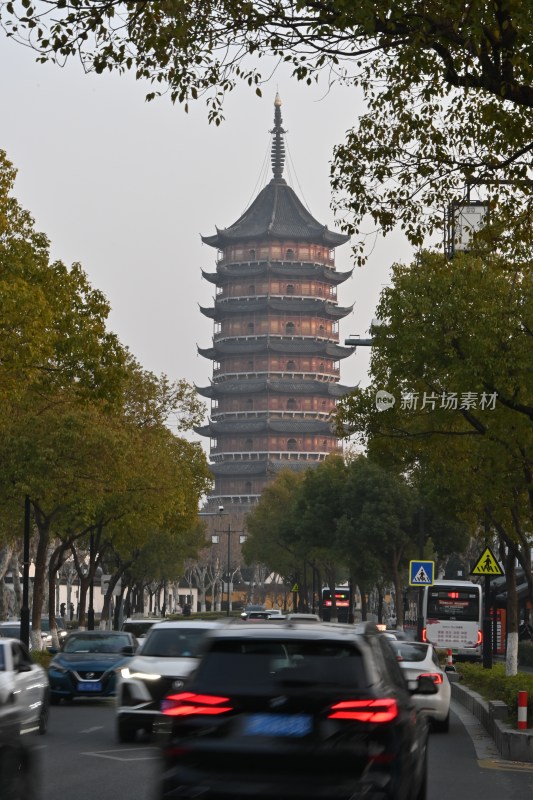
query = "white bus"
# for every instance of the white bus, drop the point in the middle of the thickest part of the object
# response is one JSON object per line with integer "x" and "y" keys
{"x": 453, "y": 617}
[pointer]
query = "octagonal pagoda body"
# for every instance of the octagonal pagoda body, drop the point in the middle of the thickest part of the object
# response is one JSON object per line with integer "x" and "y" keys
{"x": 275, "y": 351}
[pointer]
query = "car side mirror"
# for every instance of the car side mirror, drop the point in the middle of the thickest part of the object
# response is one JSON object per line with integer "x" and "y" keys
{"x": 425, "y": 685}
{"x": 128, "y": 650}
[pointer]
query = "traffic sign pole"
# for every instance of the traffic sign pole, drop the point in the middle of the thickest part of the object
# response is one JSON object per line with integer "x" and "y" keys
{"x": 487, "y": 627}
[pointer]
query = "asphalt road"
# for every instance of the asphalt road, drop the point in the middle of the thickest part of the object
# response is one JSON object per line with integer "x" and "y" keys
{"x": 79, "y": 759}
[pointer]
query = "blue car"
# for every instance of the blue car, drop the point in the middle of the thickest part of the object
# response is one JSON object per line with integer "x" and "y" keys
{"x": 87, "y": 663}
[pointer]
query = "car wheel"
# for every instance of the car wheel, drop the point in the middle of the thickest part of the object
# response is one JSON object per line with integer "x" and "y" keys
{"x": 442, "y": 725}
{"x": 126, "y": 732}
{"x": 43, "y": 716}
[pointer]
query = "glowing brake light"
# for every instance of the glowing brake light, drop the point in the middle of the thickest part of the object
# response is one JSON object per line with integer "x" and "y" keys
{"x": 479, "y": 637}
{"x": 424, "y": 635}
{"x": 187, "y": 704}
{"x": 382, "y": 710}
{"x": 436, "y": 677}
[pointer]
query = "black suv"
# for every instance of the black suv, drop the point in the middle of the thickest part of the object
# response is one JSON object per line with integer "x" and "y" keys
{"x": 294, "y": 711}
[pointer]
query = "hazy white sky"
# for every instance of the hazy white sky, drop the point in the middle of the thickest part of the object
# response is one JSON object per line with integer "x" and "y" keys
{"x": 126, "y": 188}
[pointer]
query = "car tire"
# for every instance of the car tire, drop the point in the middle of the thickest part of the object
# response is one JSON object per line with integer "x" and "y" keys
{"x": 126, "y": 732}
{"x": 442, "y": 725}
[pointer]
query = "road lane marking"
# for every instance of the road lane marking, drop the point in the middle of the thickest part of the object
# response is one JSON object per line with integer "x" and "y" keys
{"x": 93, "y": 729}
{"x": 126, "y": 754}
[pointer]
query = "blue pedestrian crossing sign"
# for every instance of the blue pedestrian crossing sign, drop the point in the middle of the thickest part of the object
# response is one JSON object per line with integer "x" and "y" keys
{"x": 421, "y": 573}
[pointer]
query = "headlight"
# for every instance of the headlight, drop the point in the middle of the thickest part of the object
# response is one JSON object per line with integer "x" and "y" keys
{"x": 126, "y": 673}
{"x": 58, "y": 667}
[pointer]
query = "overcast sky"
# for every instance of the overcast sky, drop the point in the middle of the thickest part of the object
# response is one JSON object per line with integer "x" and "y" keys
{"x": 127, "y": 187}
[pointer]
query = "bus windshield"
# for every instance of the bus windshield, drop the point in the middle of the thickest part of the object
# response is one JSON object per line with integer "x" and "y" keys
{"x": 453, "y": 604}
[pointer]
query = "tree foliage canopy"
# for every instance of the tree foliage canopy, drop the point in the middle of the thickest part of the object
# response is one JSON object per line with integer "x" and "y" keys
{"x": 448, "y": 85}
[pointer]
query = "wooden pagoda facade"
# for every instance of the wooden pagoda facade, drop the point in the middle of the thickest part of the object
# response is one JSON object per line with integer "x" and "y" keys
{"x": 275, "y": 351}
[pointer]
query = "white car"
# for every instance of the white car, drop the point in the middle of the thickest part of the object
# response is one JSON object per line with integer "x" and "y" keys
{"x": 420, "y": 658}
{"x": 23, "y": 686}
{"x": 167, "y": 655}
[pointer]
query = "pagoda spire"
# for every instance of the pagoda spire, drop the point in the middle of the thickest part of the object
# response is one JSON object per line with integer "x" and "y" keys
{"x": 278, "y": 144}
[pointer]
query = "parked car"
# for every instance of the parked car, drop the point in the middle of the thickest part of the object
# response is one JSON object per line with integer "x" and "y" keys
{"x": 11, "y": 630}
{"x": 166, "y": 657}
{"x": 87, "y": 663}
{"x": 419, "y": 658}
{"x": 298, "y": 711}
{"x": 23, "y": 686}
{"x": 140, "y": 626}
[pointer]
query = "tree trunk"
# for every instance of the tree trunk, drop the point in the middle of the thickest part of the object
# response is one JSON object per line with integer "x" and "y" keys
{"x": 43, "y": 529}
{"x": 511, "y": 656}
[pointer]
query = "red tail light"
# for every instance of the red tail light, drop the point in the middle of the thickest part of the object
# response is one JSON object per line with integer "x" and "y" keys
{"x": 186, "y": 704}
{"x": 436, "y": 677}
{"x": 383, "y": 710}
{"x": 424, "y": 635}
{"x": 479, "y": 637}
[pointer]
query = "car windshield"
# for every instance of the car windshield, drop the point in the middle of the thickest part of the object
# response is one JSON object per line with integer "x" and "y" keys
{"x": 95, "y": 644}
{"x": 139, "y": 628}
{"x": 10, "y": 631}
{"x": 410, "y": 651}
{"x": 45, "y": 624}
{"x": 173, "y": 642}
{"x": 238, "y": 663}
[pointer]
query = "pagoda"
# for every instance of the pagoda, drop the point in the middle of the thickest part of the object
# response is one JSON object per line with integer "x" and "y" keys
{"x": 275, "y": 351}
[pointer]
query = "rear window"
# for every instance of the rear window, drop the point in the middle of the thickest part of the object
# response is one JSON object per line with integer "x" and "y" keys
{"x": 179, "y": 642}
{"x": 139, "y": 628}
{"x": 240, "y": 663}
{"x": 410, "y": 652}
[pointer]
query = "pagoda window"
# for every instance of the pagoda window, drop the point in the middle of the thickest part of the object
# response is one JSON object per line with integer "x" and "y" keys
{"x": 291, "y": 404}
{"x": 321, "y": 367}
{"x": 250, "y": 328}
{"x": 321, "y": 329}
{"x": 248, "y": 487}
{"x": 290, "y": 288}
{"x": 251, "y": 364}
{"x": 251, "y": 289}
{"x": 325, "y": 444}
{"x": 264, "y": 252}
{"x": 291, "y": 366}
{"x": 248, "y": 444}
{"x": 292, "y": 444}
{"x": 290, "y": 328}
{"x": 251, "y": 255}
{"x": 249, "y": 403}
{"x": 290, "y": 254}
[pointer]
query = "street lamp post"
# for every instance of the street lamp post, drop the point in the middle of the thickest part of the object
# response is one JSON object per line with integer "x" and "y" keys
{"x": 215, "y": 539}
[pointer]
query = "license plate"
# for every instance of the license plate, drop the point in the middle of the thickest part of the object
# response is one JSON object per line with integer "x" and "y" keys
{"x": 278, "y": 725}
{"x": 89, "y": 686}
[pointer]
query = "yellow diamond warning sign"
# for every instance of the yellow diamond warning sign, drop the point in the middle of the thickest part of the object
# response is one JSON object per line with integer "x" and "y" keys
{"x": 487, "y": 564}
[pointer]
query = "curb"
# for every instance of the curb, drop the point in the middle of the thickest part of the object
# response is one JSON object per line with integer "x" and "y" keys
{"x": 512, "y": 745}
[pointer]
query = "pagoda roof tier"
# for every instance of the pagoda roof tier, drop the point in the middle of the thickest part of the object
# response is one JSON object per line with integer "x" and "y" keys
{"x": 268, "y": 345}
{"x": 258, "y": 467}
{"x": 286, "y": 269}
{"x": 285, "y": 305}
{"x": 276, "y": 214}
{"x": 265, "y": 385}
{"x": 289, "y": 426}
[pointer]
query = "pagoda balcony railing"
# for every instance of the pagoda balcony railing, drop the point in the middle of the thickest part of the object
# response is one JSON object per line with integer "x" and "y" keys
{"x": 283, "y": 262}
{"x": 237, "y": 499}
{"x": 222, "y": 298}
{"x": 264, "y": 414}
{"x": 325, "y": 377}
{"x": 266, "y": 337}
{"x": 278, "y": 455}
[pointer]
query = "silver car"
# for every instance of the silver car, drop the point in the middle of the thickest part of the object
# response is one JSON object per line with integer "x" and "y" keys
{"x": 418, "y": 658}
